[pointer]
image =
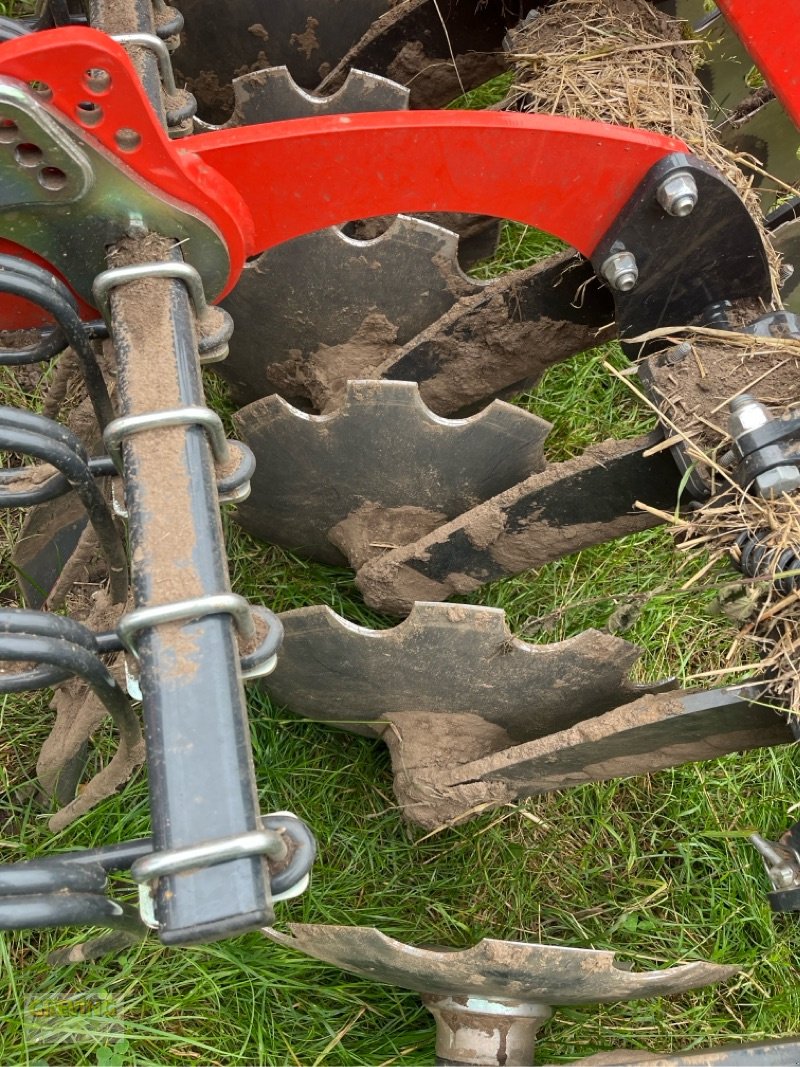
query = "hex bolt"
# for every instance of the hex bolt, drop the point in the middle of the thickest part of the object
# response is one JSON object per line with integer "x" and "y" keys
{"x": 620, "y": 271}
{"x": 747, "y": 414}
{"x": 677, "y": 193}
{"x": 774, "y": 483}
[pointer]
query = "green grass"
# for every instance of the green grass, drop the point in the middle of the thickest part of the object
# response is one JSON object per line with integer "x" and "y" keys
{"x": 656, "y": 867}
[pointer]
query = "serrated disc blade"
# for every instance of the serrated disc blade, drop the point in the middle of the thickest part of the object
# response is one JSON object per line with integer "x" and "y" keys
{"x": 272, "y": 95}
{"x": 223, "y": 40}
{"x": 378, "y": 470}
{"x": 542, "y": 974}
{"x": 446, "y": 659}
{"x": 326, "y": 306}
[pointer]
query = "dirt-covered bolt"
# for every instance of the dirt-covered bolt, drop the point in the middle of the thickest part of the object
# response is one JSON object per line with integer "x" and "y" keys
{"x": 747, "y": 414}
{"x": 620, "y": 271}
{"x": 774, "y": 483}
{"x": 677, "y": 194}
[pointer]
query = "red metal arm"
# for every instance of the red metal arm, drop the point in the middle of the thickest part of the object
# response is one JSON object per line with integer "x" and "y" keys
{"x": 263, "y": 185}
{"x": 565, "y": 176}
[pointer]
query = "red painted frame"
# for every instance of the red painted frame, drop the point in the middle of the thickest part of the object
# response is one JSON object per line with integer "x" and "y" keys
{"x": 263, "y": 185}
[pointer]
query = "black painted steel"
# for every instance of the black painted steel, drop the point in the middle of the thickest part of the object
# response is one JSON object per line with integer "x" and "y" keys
{"x": 194, "y": 706}
{"x": 685, "y": 264}
{"x": 34, "y": 435}
{"x": 54, "y": 893}
{"x": 201, "y": 775}
{"x": 59, "y": 629}
{"x": 31, "y": 282}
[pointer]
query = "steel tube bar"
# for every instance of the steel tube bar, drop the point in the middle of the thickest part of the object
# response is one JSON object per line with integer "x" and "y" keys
{"x": 201, "y": 775}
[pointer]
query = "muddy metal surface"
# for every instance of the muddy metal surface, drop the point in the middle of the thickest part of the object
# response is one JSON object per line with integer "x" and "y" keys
{"x": 380, "y": 471}
{"x": 655, "y": 731}
{"x": 545, "y": 974}
{"x": 307, "y": 36}
{"x": 446, "y": 659}
{"x": 326, "y": 307}
{"x": 568, "y": 506}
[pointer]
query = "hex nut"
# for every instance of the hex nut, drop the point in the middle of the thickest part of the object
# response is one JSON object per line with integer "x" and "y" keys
{"x": 677, "y": 194}
{"x": 777, "y": 481}
{"x": 747, "y": 414}
{"x": 620, "y": 271}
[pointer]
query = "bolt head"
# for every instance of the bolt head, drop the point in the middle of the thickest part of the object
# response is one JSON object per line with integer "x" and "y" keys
{"x": 677, "y": 194}
{"x": 779, "y": 480}
{"x": 747, "y": 414}
{"x": 620, "y": 271}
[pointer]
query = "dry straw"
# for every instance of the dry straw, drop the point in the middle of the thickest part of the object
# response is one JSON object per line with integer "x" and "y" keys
{"x": 620, "y": 61}
{"x": 623, "y": 62}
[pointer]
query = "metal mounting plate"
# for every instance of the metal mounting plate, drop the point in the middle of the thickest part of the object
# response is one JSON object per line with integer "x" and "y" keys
{"x": 66, "y": 198}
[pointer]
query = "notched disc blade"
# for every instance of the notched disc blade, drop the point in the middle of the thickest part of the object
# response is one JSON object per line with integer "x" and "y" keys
{"x": 377, "y": 472}
{"x": 323, "y": 308}
{"x": 446, "y": 659}
{"x": 223, "y": 40}
{"x": 272, "y": 95}
{"x": 544, "y": 974}
{"x": 439, "y": 50}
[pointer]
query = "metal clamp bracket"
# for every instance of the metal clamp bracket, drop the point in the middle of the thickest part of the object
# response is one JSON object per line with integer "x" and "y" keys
{"x": 160, "y": 51}
{"x": 185, "y": 610}
{"x": 216, "y": 321}
{"x": 116, "y": 431}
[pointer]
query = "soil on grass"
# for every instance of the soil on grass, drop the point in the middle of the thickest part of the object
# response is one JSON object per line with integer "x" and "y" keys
{"x": 698, "y": 380}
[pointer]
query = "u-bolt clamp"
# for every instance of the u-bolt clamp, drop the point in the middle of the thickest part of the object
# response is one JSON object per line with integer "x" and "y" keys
{"x": 116, "y": 431}
{"x": 183, "y": 103}
{"x": 233, "y": 485}
{"x": 215, "y": 324}
{"x": 255, "y": 664}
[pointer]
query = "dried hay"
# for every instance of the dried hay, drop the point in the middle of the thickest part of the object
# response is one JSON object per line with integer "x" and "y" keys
{"x": 718, "y": 366}
{"x": 622, "y": 62}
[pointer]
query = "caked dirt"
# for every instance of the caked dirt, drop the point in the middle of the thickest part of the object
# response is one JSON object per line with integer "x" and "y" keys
{"x": 699, "y": 378}
{"x": 426, "y": 750}
{"x": 372, "y": 529}
{"x": 323, "y": 376}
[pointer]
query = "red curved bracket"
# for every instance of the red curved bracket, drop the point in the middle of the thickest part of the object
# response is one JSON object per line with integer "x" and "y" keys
{"x": 262, "y": 185}
{"x": 566, "y": 176}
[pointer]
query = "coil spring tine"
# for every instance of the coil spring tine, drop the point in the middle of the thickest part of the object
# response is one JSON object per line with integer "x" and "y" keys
{"x": 46, "y": 440}
{"x": 37, "y": 285}
{"x": 758, "y": 560}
